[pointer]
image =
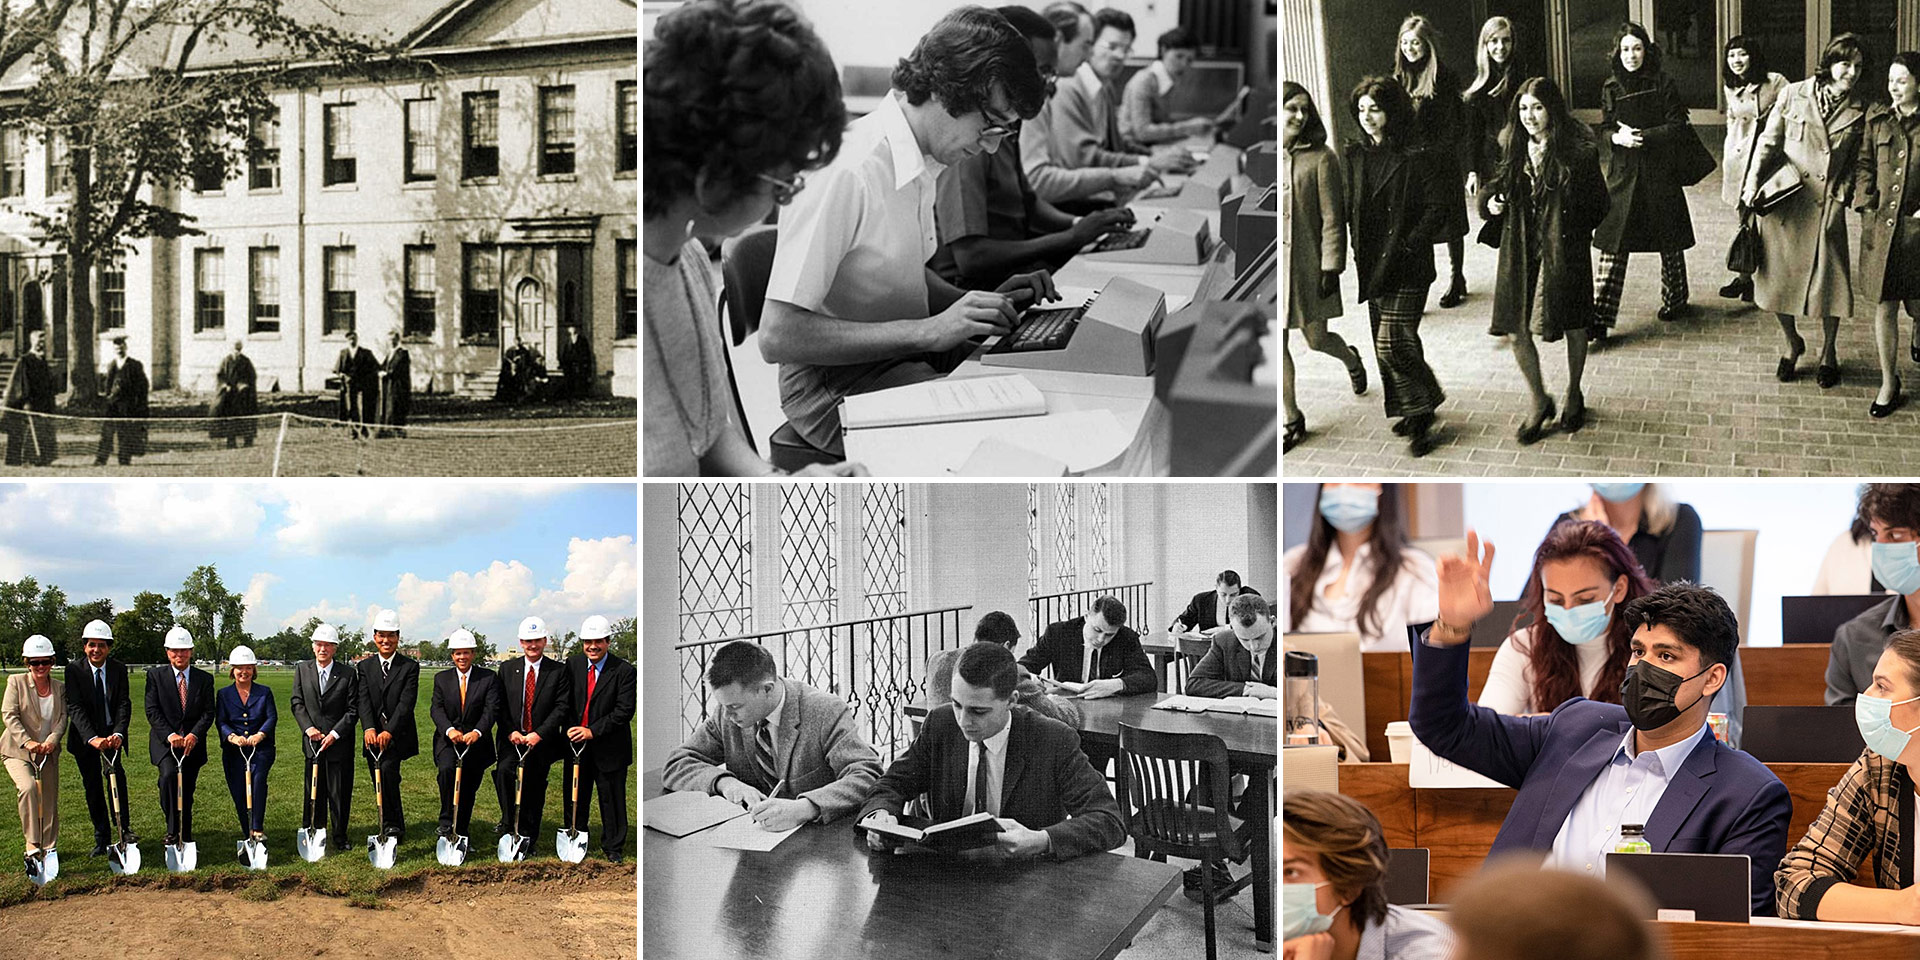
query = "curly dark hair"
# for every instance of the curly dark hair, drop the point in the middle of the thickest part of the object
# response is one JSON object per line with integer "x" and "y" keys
{"x": 960, "y": 61}
{"x": 1391, "y": 97}
{"x": 735, "y": 88}
{"x": 1894, "y": 504}
{"x": 1695, "y": 614}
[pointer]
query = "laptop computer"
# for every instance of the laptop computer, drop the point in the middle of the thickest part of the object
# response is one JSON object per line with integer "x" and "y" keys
{"x": 1714, "y": 886}
{"x": 1814, "y": 619}
{"x": 1775, "y": 734}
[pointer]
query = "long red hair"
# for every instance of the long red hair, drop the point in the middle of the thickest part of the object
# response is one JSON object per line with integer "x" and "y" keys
{"x": 1555, "y": 664}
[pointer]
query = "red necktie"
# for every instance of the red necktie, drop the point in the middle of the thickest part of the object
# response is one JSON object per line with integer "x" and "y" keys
{"x": 181, "y": 678}
{"x": 526, "y": 710}
{"x": 591, "y": 674}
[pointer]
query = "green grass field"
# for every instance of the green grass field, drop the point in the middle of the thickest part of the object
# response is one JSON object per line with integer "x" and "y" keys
{"x": 217, "y": 827}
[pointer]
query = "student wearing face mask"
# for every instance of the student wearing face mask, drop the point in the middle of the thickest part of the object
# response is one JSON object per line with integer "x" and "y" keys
{"x": 1870, "y": 811}
{"x": 1357, "y": 573}
{"x": 1333, "y": 856}
{"x": 1891, "y": 514}
{"x": 1587, "y": 768}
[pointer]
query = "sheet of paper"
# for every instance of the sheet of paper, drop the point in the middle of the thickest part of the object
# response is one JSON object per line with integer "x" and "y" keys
{"x": 741, "y": 833}
{"x": 1428, "y": 771}
{"x": 948, "y": 399}
{"x": 683, "y": 812}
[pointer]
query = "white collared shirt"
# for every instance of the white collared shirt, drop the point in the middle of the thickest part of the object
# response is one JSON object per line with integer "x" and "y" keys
{"x": 1414, "y": 597}
{"x": 995, "y": 749}
{"x": 774, "y": 719}
{"x": 1089, "y": 78}
{"x": 1627, "y": 790}
{"x": 1162, "y": 80}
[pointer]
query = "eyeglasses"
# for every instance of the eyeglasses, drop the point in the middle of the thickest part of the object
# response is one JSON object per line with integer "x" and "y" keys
{"x": 996, "y": 126}
{"x": 784, "y": 190}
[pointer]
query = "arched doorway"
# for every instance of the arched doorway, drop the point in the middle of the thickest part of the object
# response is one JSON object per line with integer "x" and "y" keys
{"x": 530, "y": 318}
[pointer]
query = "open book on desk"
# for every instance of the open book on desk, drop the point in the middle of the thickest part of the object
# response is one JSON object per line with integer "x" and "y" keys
{"x": 946, "y": 400}
{"x": 1250, "y": 706}
{"x": 684, "y": 811}
{"x": 965, "y": 833}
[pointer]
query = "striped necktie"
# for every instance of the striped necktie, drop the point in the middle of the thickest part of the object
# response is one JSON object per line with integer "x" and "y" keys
{"x": 763, "y": 754}
{"x": 181, "y": 679}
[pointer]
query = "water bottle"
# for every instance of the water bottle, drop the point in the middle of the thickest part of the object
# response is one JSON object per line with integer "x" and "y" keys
{"x": 1633, "y": 839}
{"x": 1302, "y": 697}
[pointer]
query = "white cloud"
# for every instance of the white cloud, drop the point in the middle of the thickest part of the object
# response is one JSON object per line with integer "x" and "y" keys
{"x": 380, "y": 514}
{"x": 326, "y": 610}
{"x": 501, "y": 591}
{"x": 256, "y": 600}
{"x": 602, "y": 577}
{"x": 96, "y": 519}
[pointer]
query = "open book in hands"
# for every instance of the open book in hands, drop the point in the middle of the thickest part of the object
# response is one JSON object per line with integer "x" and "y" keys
{"x": 952, "y": 836}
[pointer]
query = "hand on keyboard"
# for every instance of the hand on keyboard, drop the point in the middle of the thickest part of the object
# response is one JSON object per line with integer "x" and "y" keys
{"x": 1027, "y": 289}
{"x": 976, "y": 313}
{"x": 1097, "y": 224}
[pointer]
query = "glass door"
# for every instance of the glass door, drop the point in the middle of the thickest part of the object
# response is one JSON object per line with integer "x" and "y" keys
{"x": 1689, "y": 38}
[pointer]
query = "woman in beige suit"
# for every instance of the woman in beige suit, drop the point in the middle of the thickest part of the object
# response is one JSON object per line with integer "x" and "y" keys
{"x": 34, "y": 713}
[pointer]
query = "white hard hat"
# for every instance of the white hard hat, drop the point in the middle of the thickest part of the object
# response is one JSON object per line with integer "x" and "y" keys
{"x": 533, "y": 628}
{"x": 37, "y": 646}
{"x": 386, "y": 621}
{"x": 326, "y": 633}
{"x": 242, "y": 657}
{"x": 97, "y": 630}
{"x": 594, "y": 628}
{"x": 461, "y": 640}
{"x": 179, "y": 639}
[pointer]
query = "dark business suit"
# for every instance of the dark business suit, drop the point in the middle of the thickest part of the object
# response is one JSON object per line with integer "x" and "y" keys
{"x": 1199, "y": 614}
{"x": 605, "y": 763}
{"x": 257, "y": 715}
{"x": 165, "y": 717}
{"x": 1061, "y": 648}
{"x": 1720, "y": 800}
{"x": 334, "y": 711}
{"x": 1226, "y": 668}
{"x": 552, "y": 695}
{"x": 1047, "y": 784}
{"x": 387, "y": 697}
{"x": 478, "y": 713}
{"x": 88, "y": 716}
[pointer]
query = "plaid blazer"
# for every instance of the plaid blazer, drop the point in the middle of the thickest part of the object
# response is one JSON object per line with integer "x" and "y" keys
{"x": 1869, "y": 811}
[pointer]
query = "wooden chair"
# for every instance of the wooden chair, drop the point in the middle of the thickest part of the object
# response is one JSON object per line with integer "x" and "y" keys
{"x": 1167, "y": 781}
{"x": 745, "y": 264}
{"x": 1190, "y": 652}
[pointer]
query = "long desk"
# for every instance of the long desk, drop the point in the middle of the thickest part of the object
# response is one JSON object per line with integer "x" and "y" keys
{"x": 1769, "y": 939}
{"x": 821, "y": 893}
{"x": 1458, "y": 825}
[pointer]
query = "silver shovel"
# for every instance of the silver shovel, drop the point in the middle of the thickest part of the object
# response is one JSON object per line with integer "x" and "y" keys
{"x": 380, "y": 847}
{"x": 251, "y": 851}
{"x": 513, "y": 846}
{"x": 569, "y": 843}
{"x": 183, "y": 854}
{"x": 124, "y": 857}
{"x": 42, "y": 865}
{"x": 310, "y": 841}
{"x": 453, "y": 851}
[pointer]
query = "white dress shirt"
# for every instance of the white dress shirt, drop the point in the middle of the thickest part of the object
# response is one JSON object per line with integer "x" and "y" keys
{"x": 1414, "y": 597}
{"x": 995, "y": 749}
{"x": 1626, "y": 791}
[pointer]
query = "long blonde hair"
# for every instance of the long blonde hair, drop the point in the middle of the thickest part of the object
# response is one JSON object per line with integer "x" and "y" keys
{"x": 1483, "y": 64}
{"x": 1421, "y": 85}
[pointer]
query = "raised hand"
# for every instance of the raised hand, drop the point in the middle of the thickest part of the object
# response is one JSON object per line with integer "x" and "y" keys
{"x": 1464, "y": 594}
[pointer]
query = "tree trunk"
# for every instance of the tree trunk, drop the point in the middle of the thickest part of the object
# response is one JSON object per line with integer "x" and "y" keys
{"x": 81, "y": 376}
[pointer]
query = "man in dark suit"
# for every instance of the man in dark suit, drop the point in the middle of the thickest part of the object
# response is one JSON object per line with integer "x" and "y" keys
{"x": 986, "y": 755}
{"x": 388, "y": 685}
{"x": 465, "y": 702}
{"x": 359, "y": 375}
{"x": 605, "y": 695}
{"x": 1208, "y": 608}
{"x": 1239, "y": 662}
{"x": 1588, "y": 767}
{"x": 1102, "y": 652}
{"x": 537, "y": 695}
{"x": 126, "y": 407}
{"x": 99, "y": 707}
{"x": 32, "y": 389}
{"x": 179, "y": 711}
{"x": 326, "y": 706}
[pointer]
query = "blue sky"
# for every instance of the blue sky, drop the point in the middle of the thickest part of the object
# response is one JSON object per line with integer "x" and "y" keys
{"x": 442, "y": 553}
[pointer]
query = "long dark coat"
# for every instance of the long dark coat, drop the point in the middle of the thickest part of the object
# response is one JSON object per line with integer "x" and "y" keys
{"x": 1442, "y": 122}
{"x": 1888, "y": 164}
{"x": 236, "y": 394}
{"x": 359, "y": 375}
{"x": 396, "y": 388}
{"x": 1486, "y": 115}
{"x": 1567, "y": 213}
{"x": 1649, "y": 209}
{"x": 32, "y": 388}
{"x": 127, "y": 390}
{"x": 1396, "y": 217}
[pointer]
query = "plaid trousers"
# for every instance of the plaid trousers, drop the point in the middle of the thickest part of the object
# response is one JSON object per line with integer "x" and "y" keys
{"x": 1611, "y": 277}
{"x": 1409, "y": 384}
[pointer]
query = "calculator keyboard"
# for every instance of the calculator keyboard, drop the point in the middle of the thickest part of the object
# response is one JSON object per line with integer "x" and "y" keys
{"x": 1129, "y": 240}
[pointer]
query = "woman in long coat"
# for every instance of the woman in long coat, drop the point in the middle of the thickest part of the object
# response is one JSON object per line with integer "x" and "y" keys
{"x": 1885, "y": 178}
{"x": 1315, "y": 191}
{"x": 1803, "y": 272}
{"x": 1550, "y": 195}
{"x": 1441, "y": 120}
{"x": 1642, "y": 114}
{"x": 1751, "y": 90}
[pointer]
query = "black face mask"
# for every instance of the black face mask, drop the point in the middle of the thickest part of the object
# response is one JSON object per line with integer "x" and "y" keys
{"x": 1647, "y": 693}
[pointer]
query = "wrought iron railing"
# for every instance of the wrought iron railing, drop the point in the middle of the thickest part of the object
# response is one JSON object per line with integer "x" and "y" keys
{"x": 1055, "y": 607}
{"x": 876, "y": 664}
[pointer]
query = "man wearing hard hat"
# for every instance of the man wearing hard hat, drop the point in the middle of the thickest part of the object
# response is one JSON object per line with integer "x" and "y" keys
{"x": 325, "y": 705}
{"x": 605, "y": 693}
{"x": 389, "y": 685}
{"x": 179, "y": 711}
{"x": 99, "y": 708}
{"x": 35, "y": 708}
{"x": 536, "y": 698}
{"x": 464, "y": 704}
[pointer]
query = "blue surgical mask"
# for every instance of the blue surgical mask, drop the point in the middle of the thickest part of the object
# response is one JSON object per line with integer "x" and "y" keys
{"x": 1582, "y": 624}
{"x": 1349, "y": 509}
{"x": 1300, "y": 909}
{"x": 1617, "y": 492}
{"x": 1897, "y": 566}
{"x": 1874, "y": 715}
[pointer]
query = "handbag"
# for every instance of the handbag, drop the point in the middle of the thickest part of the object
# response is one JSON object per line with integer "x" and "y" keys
{"x": 1784, "y": 182}
{"x": 1692, "y": 161}
{"x": 1743, "y": 254}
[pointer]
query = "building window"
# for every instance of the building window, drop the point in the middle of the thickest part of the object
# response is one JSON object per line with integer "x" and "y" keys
{"x": 209, "y": 163}
{"x": 556, "y": 130}
{"x": 419, "y": 312}
{"x": 422, "y": 162}
{"x": 113, "y": 297}
{"x": 480, "y": 307}
{"x": 628, "y": 321}
{"x": 59, "y": 165}
{"x": 13, "y": 162}
{"x": 483, "y": 135}
{"x": 340, "y": 305}
{"x": 627, "y": 115}
{"x": 209, "y": 290}
{"x": 340, "y": 165}
{"x": 263, "y": 151}
{"x": 263, "y": 308}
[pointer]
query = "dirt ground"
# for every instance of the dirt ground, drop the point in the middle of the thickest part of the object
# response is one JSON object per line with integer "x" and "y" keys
{"x": 586, "y": 915}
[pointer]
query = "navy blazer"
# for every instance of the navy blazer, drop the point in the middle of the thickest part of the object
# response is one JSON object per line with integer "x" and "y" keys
{"x": 1720, "y": 801}
{"x": 258, "y": 715}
